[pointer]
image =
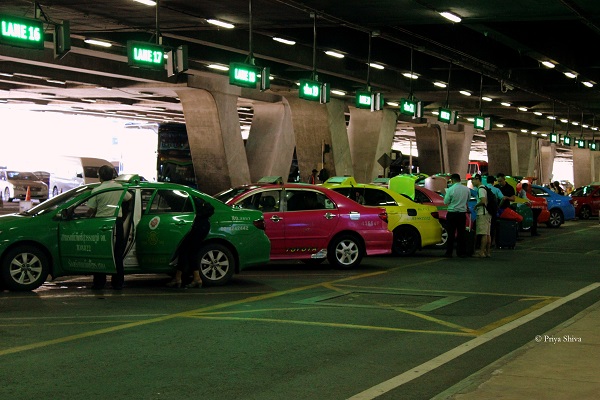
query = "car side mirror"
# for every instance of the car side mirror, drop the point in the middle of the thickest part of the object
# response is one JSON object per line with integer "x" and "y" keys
{"x": 66, "y": 214}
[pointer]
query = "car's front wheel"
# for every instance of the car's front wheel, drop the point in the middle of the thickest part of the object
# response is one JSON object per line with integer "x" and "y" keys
{"x": 24, "y": 268}
{"x": 217, "y": 264}
{"x": 556, "y": 219}
{"x": 442, "y": 244}
{"x": 406, "y": 241}
{"x": 345, "y": 251}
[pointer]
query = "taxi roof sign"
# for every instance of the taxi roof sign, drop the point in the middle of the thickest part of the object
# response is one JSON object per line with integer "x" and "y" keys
{"x": 342, "y": 180}
{"x": 271, "y": 179}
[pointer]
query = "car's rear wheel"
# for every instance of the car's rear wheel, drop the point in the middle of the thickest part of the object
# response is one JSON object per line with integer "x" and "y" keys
{"x": 24, "y": 268}
{"x": 585, "y": 212}
{"x": 556, "y": 219}
{"x": 345, "y": 251}
{"x": 217, "y": 264}
{"x": 442, "y": 244}
{"x": 406, "y": 241}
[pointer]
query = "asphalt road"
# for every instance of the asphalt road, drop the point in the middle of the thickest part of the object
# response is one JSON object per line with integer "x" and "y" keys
{"x": 396, "y": 328}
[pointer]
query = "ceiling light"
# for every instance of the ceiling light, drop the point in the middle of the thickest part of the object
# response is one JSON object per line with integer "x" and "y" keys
{"x": 471, "y": 119}
{"x": 537, "y": 113}
{"x": 466, "y": 93}
{"x": 338, "y": 92}
{"x": 435, "y": 112}
{"x": 500, "y": 125}
{"x": 440, "y": 84}
{"x": 334, "y": 54}
{"x": 522, "y": 109}
{"x": 393, "y": 104}
{"x": 219, "y": 67}
{"x": 56, "y": 81}
{"x": 376, "y": 66}
{"x": 410, "y": 75}
{"x": 594, "y": 128}
{"x": 89, "y": 100}
{"x": 585, "y": 126}
{"x": 564, "y": 121}
{"x": 574, "y": 123}
{"x": 544, "y": 134}
{"x": 484, "y": 98}
{"x": 222, "y": 24}
{"x": 534, "y": 133}
{"x": 505, "y": 104}
{"x": 524, "y": 130}
{"x": 6, "y": 74}
{"x": 588, "y": 84}
{"x": 284, "y": 41}
{"x": 551, "y": 117}
{"x": 98, "y": 42}
{"x": 548, "y": 64}
{"x": 450, "y": 16}
{"x": 147, "y": 2}
{"x": 570, "y": 75}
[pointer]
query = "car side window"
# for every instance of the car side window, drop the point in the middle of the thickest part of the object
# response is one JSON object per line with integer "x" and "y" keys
{"x": 146, "y": 196}
{"x": 81, "y": 210}
{"x": 171, "y": 201}
{"x": 538, "y": 192}
{"x": 267, "y": 201}
{"x": 376, "y": 197}
{"x": 421, "y": 198}
{"x": 303, "y": 200}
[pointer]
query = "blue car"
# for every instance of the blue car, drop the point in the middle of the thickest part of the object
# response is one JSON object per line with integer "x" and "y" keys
{"x": 561, "y": 207}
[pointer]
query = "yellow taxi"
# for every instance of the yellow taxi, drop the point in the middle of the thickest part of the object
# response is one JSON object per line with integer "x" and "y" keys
{"x": 414, "y": 225}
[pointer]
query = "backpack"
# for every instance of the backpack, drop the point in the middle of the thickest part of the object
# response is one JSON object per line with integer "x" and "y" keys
{"x": 492, "y": 201}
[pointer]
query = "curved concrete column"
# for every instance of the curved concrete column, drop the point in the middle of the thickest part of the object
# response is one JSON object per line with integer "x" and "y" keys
{"x": 216, "y": 143}
{"x": 433, "y": 149}
{"x": 582, "y": 167}
{"x": 501, "y": 156}
{"x": 458, "y": 138}
{"x": 546, "y": 153}
{"x": 370, "y": 135}
{"x": 316, "y": 124}
{"x": 270, "y": 144}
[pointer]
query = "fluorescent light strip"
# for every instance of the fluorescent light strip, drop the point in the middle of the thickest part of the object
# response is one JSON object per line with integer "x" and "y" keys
{"x": 564, "y": 121}
{"x": 410, "y": 76}
{"x": 218, "y": 67}
{"x": 484, "y": 98}
{"x": 393, "y": 104}
{"x": 284, "y": 41}
{"x": 222, "y": 24}
{"x": 538, "y": 113}
{"x": 524, "y": 109}
{"x": 376, "y": 66}
{"x": 338, "y": 92}
{"x": 147, "y": 2}
{"x": 570, "y": 75}
{"x": 440, "y": 84}
{"x": 464, "y": 92}
{"x": 548, "y": 64}
{"x": 588, "y": 84}
{"x": 98, "y": 42}
{"x": 450, "y": 16}
{"x": 506, "y": 104}
{"x": 334, "y": 54}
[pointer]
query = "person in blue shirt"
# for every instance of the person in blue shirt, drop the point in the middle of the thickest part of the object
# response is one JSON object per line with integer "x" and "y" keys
{"x": 456, "y": 198}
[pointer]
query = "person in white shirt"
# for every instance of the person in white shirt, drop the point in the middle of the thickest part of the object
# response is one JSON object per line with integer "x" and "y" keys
{"x": 456, "y": 197}
{"x": 484, "y": 219}
{"x": 105, "y": 205}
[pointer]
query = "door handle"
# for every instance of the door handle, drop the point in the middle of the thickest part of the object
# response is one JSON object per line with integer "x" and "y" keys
{"x": 330, "y": 215}
{"x": 180, "y": 222}
{"x": 106, "y": 228}
{"x": 276, "y": 218}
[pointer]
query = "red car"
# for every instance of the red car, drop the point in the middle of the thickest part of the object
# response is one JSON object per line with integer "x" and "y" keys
{"x": 586, "y": 200}
{"x": 311, "y": 223}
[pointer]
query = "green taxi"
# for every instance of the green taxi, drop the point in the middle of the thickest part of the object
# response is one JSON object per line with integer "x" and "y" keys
{"x": 58, "y": 238}
{"x": 414, "y": 225}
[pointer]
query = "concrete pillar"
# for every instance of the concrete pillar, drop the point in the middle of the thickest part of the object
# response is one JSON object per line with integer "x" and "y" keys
{"x": 270, "y": 144}
{"x": 316, "y": 125}
{"x": 370, "y": 135}
{"x": 458, "y": 138}
{"x": 501, "y": 156}
{"x": 546, "y": 153}
{"x": 216, "y": 143}
{"x": 582, "y": 167}
{"x": 432, "y": 147}
{"x": 595, "y": 166}
{"x": 526, "y": 153}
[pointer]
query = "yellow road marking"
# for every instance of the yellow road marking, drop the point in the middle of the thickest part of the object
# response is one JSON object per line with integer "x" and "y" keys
{"x": 335, "y": 325}
{"x": 436, "y": 320}
{"x": 513, "y": 317}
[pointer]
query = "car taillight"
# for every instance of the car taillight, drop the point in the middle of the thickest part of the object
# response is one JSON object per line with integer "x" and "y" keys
{"x": 435, "y": 215}
{"x": 259, "y": 223}
{"x": 383, "y": 216}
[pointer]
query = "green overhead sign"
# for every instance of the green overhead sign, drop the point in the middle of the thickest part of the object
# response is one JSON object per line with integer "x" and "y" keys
{"x": 145, "y": 55}
{"x": 482, "y": 123}
{"x": 554, "y": 137}
{"x": 370, "y": 100}
{"x": 448, "y": 116}
{"x": 592, "y": 145}
{"x": 314, "y": 91}
{"x": 21, "y": 32}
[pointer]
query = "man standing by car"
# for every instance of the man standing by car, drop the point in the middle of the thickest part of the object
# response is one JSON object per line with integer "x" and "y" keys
{"x": 456, "y": 197}
{"x": 507, "y": 190}
{"x": 103, "y": 205}
{"x": 484, "y": 219}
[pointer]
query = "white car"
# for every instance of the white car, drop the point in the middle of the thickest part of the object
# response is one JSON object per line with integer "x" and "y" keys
{"x": 14, "y": 184}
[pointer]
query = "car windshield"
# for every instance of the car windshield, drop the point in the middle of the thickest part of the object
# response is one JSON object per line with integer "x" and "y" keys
{"x": 25, "y": 176}
{"x": 53, "y": 203}
{"x": 229, "y": 194}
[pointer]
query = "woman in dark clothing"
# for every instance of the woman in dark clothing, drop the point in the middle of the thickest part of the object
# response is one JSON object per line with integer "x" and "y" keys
{"x": 187, "y": 250}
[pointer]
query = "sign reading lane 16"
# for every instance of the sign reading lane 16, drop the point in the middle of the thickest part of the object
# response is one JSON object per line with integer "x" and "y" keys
{"x": 145, "y": 55}
{"x": 21, "y": 32}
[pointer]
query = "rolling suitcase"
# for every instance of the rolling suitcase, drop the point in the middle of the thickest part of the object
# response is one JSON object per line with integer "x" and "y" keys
{"x": 506, "y": 235}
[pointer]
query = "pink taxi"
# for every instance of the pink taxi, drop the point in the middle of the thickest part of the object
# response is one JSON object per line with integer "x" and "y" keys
{"x": 313, "y": 223}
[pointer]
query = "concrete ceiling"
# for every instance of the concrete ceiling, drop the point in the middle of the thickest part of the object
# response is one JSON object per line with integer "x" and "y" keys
{"x": 495, "y": 51}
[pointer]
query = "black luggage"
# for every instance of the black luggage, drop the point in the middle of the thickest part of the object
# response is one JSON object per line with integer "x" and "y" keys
{"x": 506, "y": 235}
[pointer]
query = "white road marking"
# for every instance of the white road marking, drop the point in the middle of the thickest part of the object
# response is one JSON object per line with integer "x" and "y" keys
{"x": 450, "y": 355}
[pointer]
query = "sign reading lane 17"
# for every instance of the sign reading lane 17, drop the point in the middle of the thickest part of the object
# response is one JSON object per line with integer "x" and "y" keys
{"x": 145, "y": 55}
{"x": 21, "y": 32}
